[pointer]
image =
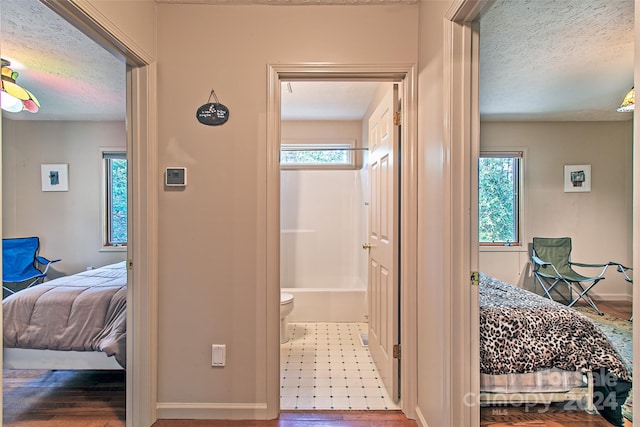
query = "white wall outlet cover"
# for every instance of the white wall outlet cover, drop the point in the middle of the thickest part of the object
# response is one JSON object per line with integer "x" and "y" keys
{"x": 218, "y": 354}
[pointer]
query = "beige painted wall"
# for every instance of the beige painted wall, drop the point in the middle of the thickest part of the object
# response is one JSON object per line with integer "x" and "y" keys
{"x": 136, "y": 20}
{"x": 211, "y": 234}
{"x": 68, "y": 223}
{"x": 211, "y": 229}
{"x": 599, "y": 222}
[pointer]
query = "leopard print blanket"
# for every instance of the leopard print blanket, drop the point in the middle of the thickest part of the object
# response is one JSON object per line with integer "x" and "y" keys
{"x": 523, "y": 332}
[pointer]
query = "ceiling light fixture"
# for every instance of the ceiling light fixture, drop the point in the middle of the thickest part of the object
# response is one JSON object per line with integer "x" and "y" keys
{"x": 13, "y": 97}
{"x": 629, "y": 102}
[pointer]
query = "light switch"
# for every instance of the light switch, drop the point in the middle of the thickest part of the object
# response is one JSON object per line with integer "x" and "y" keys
{"x": 218, "y": 354}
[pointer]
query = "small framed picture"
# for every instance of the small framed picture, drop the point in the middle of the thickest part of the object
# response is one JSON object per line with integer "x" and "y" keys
{"x": 55, "y": 177}
{"x": 577, "y": 178}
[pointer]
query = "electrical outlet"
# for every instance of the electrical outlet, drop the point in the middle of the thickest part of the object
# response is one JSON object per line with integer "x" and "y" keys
{"x": 218, "y": 354}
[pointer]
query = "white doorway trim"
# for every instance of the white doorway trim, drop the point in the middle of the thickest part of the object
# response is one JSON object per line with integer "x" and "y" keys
{"x": 462, "y": 141}
{"x": 461, "y": 107}
{"x": 141, "y": 377}
{"x": 406, "y": 74}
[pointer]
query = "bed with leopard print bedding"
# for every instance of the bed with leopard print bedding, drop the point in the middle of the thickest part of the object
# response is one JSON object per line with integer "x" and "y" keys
{"x": 536, "y": 349}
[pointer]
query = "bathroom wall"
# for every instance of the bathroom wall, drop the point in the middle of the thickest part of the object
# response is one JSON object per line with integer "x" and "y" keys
{"x": 323, "y": 215}
{"x": 322, "y": 212}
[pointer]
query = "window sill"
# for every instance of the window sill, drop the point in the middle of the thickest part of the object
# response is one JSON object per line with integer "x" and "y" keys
{"x": 503, "y": 249}
{"x": 113, "y": 249}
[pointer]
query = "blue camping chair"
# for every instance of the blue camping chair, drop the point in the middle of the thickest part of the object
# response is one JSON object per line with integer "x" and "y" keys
{"x": 21, "y": 264}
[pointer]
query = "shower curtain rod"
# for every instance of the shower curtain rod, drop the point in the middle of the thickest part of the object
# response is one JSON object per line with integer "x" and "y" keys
{"x": 324, "y": 149}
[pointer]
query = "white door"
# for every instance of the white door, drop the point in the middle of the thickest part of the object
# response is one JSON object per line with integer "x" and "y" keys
{"x": 383, "y": 236}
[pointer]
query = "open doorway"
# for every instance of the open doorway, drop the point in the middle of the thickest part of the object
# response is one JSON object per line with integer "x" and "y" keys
{"x": 138, "y": 77}
{"x": 361, "y": 248}
{"x": 327, "y": 202}
{"x": 561, "y": 102}
{"x": 80, "y": 218}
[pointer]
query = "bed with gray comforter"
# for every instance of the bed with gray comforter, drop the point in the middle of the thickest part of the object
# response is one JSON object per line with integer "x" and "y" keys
{"x": 81, "y": 312}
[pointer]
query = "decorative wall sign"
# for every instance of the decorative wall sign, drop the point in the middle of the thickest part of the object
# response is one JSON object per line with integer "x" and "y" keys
{"x": 54, "y": 177}
{"x": 577, "y": 178}
{"x": 212, "y": 113}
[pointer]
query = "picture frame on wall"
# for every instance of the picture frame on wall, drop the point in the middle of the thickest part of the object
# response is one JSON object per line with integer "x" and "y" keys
{"x": 55, "y": 177}
{"x": 577, "y": 178}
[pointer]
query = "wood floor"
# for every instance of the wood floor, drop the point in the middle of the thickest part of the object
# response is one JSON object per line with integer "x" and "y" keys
{"x": 35, "y": 398}
{"x": 97, "y": 399}
{"x": 308, "y": 419}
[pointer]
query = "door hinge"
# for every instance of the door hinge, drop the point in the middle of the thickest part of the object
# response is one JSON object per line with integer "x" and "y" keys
{"x": 475, "y": 278}
{"x": 129, "y": 264}
{"x": 396, "y": 351}
{"x": 397, "y": 117}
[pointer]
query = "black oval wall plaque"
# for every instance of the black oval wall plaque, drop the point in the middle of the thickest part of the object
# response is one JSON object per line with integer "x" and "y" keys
{"x": 212, "y": 114}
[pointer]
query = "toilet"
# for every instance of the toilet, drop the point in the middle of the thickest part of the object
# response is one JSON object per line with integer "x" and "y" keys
{"x": 286, "y": 307}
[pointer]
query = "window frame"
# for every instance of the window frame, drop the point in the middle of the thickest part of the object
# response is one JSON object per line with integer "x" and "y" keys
{"x": 106, "y": 155}
{"x": 312, "y": 145}
{"x": 520, "y": 154}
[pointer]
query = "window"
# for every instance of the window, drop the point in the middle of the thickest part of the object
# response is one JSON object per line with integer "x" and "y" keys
{"x": 499, "y": 182}
{"x": 115, "y": 198}
{"x": 334, "y": 155}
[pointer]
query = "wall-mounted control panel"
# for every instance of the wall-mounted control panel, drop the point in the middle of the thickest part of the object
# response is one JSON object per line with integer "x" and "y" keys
{"x": 175, "y": 177}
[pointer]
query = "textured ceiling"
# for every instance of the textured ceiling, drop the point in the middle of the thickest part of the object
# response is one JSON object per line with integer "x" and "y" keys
{"x": 556, "y": 60}
{"x": 72, "y": 77}
{"x": 539, "y": 60}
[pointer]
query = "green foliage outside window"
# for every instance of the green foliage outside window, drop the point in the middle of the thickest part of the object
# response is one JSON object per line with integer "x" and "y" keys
{"x": 498, "y": 199}
{"x": 118, "y": 201}
{"x": 315, "y": 154}
{"x": 315, "y": 157}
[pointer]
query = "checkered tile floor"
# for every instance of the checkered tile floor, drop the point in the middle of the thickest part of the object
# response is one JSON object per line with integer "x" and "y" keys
{"x": 325, "y": 366}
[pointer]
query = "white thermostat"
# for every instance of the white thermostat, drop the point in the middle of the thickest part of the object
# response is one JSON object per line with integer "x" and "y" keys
{"x": 175, "y": 177}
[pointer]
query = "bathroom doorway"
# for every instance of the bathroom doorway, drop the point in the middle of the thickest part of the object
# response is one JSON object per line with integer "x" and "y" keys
{"x": 325, "y": 248}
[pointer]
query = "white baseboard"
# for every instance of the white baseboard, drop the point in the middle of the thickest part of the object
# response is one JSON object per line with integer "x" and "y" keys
{"x": 212, "y": 411}
{"x": 420, "y": 418}
{"x": 611, "y": 297}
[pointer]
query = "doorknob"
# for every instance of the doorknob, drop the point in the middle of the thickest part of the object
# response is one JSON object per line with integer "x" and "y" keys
{"x": 368, "y": 246}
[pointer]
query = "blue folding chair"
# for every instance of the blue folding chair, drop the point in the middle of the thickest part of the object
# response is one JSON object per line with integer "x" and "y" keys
{"x": 21, "y": 264}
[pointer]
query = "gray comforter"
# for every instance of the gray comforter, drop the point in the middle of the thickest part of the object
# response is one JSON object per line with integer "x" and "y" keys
{"x": 82, "y": 312}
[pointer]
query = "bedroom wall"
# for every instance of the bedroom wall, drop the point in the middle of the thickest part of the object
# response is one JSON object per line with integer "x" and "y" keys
{"x": 599, "y": 222}
{"x": 68, "y": 223}
{"x": 212, "y": 234}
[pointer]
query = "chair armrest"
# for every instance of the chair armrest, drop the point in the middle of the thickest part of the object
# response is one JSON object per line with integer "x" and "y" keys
{"x": 46, "y": 263}
{"x": 581, "y": 264}
{"x": 623, "y": 269}
{"x": 619, "y": 266}
{"x": 603, "y": 266}
{"x": 538, "y": 261}
{"x": 42, "y": 260}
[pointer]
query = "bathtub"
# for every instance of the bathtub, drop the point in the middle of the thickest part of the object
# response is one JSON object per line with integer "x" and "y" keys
{"x": 328, "y": 305}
